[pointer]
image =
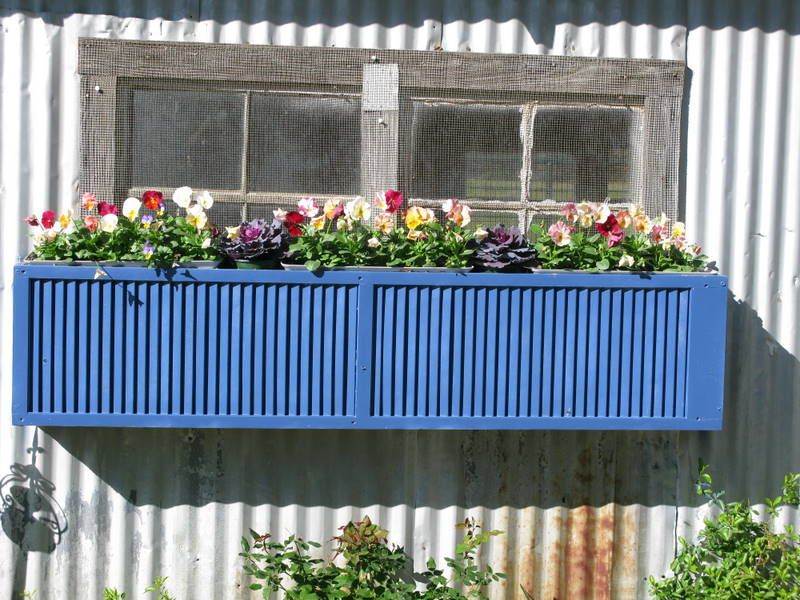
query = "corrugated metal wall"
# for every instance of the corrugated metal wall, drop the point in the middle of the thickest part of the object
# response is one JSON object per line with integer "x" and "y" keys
{"x": 588, "y": 515}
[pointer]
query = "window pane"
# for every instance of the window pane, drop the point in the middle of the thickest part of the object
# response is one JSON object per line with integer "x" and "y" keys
{"x": 304, "y": 144}
{"x": 467, "y": 151}
{"x": 187, "y": 138}
{"x": 225, "y": 214}
{"x": 586, "y": 153}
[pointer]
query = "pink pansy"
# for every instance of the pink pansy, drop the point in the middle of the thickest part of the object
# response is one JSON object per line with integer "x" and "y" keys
{"x": 48, "y": 219}
{"x": 602, "y": 212}
{"x": 658, "y": 233}
{"x": 560, "y": 233}
{"x": 308, "y": 207}
{"x": 88, "y": 201}
{"x": 104, "y": 208}
{"x": 611, "y": 230}
{"x": 570, "y": 212}
{"x": 624, "y": 218}
{"x": 394, "y": 200}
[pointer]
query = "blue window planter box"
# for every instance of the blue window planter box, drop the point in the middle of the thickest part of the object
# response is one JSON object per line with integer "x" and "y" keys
{"x": 224, "y": 348}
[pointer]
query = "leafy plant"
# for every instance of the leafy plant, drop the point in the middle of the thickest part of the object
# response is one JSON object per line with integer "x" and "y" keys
{"x": 594, "y": 238}
{"x": 158, "y": 237}
{"x": 343, "y": 235}
{"x": 254, "y": 240}
{"x": 736, "y": 556}
{"x": 504, "y": 249}
{"x": 159, "y": 589}
{"x": 371, "y": 567}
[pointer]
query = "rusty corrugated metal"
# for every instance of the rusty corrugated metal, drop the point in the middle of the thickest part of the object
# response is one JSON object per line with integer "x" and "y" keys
{"x": 588, "y": 515}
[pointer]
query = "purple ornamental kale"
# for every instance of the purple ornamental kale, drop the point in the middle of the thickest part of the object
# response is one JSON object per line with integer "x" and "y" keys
{"x": 505, "y": 248}
{"x": 256, "y": 240}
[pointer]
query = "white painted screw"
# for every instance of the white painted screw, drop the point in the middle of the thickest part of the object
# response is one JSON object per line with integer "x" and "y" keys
{"x": 97, "y": 88}
{"x": 374, "y": 58}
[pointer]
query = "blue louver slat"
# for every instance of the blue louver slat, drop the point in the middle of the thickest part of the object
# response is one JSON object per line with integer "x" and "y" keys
{"x": 218, "y": 348}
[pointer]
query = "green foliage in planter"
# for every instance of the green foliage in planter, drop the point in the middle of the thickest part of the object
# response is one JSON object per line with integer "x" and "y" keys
{"x": 430, "y": 245}
{"x": 737, "y": 557}
{"x": 371, "y": 568}
{"x": 594, "y": 238}
{"x": 158, "y": 588}
{"x": 159, "y": 238}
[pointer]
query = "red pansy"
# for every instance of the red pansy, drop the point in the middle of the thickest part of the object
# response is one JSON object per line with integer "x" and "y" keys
{"x": 152, "y": 199}
{"x": 104, "y": 208}
{"x": 292, "y": 222}
{"x": 48, "y": 219}
{"x": 394, "y": 200}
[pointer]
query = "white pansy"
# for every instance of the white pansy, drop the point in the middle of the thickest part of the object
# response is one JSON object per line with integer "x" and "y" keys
{"x": 130, "y": 208}
{"x": 183, "y": 196}
{"x": 108, "y": 223}
{"x": 196, "y": 217}
{"x": 206, "y": 243}
{"x": 626, "y": 261}
{"x": 205, "y": 200}
{"x": 373, "y": 242}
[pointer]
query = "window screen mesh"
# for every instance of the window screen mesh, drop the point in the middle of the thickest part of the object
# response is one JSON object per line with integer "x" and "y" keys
{"x": 467, "y": 151}
{"x": 304, "y": 144}
{"x": 256, "y": 150}
{"x": 515, "y": 163}
{"x": 514, "y": 136}
{"x": 585, "y": 153}
{"x": 187, "y": 136}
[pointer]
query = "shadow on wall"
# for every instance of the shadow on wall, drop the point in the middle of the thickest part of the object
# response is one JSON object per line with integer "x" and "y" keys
{"x": 30, "y": 515}
{"x": 539, "y": 17}
{"x": 439, "y": 469}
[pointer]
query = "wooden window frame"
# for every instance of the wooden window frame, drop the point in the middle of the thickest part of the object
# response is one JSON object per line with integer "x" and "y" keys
{"x": 389, "y": 82}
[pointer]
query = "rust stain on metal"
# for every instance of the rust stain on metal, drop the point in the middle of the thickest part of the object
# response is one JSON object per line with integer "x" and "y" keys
{"x": 551, "y": 585}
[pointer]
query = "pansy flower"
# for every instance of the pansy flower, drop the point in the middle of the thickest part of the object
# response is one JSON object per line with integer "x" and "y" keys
{"x": 105, "y": 208}
{"x": 611, "y": 230}
{"x": 108, "y": 222}
{"x": 333, "y": 209}
{"x": 130, "y": 208}
{"x": 358, "y": 209}
{"x": 292, "y": 222}
{"x": 318, "y": 223}
{"x": 560, "y": 233}
{"x": 152, "y": 200}
{"x": 88, "y": 201}
{"x": 205, "y": 199}
{"x": 308, "y": 207}
{"x": 384, "y": 222}
{"x": 416, "y": 216}
{"x": 570, "y": 212}
{"x": 183, "y": 196}
{"x": 48, "y": 219}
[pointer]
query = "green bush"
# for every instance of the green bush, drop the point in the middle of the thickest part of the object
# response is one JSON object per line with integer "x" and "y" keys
{"x": 370, "y": 568}
{"x": 737, "y": 557}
